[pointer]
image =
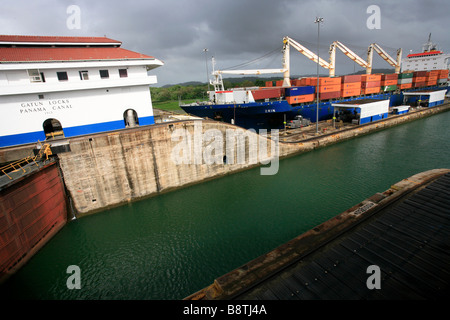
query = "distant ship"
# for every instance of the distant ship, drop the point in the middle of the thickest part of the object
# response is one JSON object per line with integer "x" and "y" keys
{"x": 280, "y": 101}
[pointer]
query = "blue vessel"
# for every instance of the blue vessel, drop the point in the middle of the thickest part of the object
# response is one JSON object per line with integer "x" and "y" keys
{"x": 273, "y": 114}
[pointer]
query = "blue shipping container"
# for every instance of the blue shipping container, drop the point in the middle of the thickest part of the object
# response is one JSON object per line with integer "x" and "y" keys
{"x": 299, "y": 91}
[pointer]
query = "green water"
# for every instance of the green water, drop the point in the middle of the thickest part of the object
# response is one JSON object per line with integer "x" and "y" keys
{"x": 172, "y": 245}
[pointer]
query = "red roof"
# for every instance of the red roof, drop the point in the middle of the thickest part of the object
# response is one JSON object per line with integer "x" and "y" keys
{"x": 23, "y": 54}
{"x": 423, "y": 54}
{"x": 53, "y": 39}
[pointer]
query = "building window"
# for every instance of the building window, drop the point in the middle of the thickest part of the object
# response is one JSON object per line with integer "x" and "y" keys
{"x": 35, "y": 75}
{"x": 123, "y": 73}
{"x": 104, "y": 74}
{"x": 84, "y": 75}
{"x": 62, "y": 76}
{"x": 41, "y": 96}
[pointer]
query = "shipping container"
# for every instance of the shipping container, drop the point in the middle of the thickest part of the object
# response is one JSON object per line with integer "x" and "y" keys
{"x": 330, "y": 88}
{"x": 420, "y": 73}
{"x": 351, "y": 85}
{"x": 296, "y": 91}
{"x": 419, "y": 84}
{"x": 389, "y": 82}
{"x": 405, "y": 85}
{"x": 370, "y": 77}
{"x": 389, "y": 88}
{"x": 371, "y": 84}
{"x": 405, "y": 80}
{"x": 351, "y": 78}
{"x": 300, "y": 99}
{"x": 405, "y": 75}
{"x": 392, "y": 76}
{"x": 443, "y": 74}
{"x": 350, "y": 92}
{"x": 325, "y": 81}
{"x": 370, "y": 90}
{"x": 267, "y": 93}
{"x": 419, "y": 79}
{"x": 329, "y": 95}
{"x": 269, "y": 84}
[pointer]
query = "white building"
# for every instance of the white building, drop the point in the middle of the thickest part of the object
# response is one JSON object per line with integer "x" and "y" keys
{"x": 53, "y": 86}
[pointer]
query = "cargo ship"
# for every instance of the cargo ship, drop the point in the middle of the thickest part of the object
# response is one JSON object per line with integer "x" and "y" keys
{"x": 280, "y": 101}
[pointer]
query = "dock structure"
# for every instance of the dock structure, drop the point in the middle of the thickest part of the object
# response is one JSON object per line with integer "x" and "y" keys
{"x": 393, "y": 245}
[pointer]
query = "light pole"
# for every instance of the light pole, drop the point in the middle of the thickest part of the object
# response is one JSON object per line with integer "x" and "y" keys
{"x": 318, "y": 21}
{"x": 206, "y": 62}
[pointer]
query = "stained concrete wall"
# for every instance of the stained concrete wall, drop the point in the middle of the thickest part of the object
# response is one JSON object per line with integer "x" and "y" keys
{"x": 110, "y": 169}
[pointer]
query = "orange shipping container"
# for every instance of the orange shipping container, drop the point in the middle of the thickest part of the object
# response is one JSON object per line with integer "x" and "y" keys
{"x": 300, "y": 99}
{"x": 351, "y": 85}
{"x": 443, "y": 74}
{"x": 370, "y": 90}
{"x": 269, "y": 84}
{"x": 433, "y": 72}
{"x": 330, "y": 88}
{"x": 350, "y": 92}
{"x": 405, "y": 86}
{"x": 419, "y": 79}
{"x": 324, "y": 81}
{"x": 431, "y": 77}
{"x": 389, "y": 82}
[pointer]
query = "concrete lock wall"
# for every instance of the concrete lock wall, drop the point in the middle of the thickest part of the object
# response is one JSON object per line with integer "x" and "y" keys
{"x": 111, "y": 169}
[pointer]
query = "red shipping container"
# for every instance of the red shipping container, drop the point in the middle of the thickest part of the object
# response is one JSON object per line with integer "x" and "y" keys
{"x": 392, "y": 76}
{"x": 267, "y": 93}
{"x": 329, "y": 95}
{"x": 269, "y": 84}
{"x": 420, "y": 73}
{"x": 351, "y": 78}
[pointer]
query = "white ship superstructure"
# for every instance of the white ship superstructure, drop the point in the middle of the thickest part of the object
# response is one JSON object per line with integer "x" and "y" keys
{"x": 70, "y": 86}
{"x": 429, "y": 59}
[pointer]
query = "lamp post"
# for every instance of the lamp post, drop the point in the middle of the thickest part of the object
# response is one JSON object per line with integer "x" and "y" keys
{"x": 206, "y": 62}
{"x": 318, "y": 21}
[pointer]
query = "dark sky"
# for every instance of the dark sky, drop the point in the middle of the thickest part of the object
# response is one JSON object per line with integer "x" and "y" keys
{"x": 237, "y": 31}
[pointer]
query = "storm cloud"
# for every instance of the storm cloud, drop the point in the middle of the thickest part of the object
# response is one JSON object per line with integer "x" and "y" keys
{"x": 236, "y": 31}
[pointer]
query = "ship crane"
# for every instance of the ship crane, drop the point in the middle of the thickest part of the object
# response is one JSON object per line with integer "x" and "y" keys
{"x": 349, "y": 53}
{"x": 287, "y": 42}
{"x": 395, "y": 63}
{"x": 218, "y": 82}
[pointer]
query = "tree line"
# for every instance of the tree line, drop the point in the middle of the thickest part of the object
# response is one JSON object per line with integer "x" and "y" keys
{"x": 198, "y": 91}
